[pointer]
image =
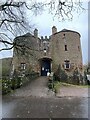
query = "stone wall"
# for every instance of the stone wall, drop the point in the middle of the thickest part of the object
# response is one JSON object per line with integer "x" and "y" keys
{"x": 73, "y": 53}
{"x": 31, "y": 53}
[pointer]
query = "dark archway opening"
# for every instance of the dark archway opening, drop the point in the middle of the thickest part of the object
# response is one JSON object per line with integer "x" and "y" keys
{"x": 45, "y": 64}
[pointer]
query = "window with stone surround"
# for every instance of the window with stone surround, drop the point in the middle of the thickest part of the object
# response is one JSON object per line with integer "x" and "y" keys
{"x": 67, "y": 64}
{"x": 23, "y": 66}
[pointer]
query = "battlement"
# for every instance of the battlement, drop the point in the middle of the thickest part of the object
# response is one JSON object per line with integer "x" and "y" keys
{"x": 45, "y": 38}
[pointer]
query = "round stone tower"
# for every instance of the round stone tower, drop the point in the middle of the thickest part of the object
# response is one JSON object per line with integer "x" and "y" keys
{"x": 66, "y": 50}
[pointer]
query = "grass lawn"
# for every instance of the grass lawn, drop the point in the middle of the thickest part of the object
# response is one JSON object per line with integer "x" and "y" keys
{"x": 67, "y": 84}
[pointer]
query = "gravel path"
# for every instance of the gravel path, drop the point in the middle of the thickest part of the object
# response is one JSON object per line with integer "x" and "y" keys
{"x": 36, "y": 88}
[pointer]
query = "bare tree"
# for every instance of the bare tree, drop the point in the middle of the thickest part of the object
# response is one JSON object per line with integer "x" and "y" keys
{"x": 13, "y": 21}
{"x": 13, "y": 16}
{"x": 64, "y": 9}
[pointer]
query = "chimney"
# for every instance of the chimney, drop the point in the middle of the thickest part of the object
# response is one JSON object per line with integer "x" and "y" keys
{"x": 54, "y": 30}
{"x": 36, "y": 33}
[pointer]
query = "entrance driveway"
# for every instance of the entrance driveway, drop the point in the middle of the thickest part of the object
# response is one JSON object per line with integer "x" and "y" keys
{"x": 36, "y": 101}
{"x": 36, "y": 88}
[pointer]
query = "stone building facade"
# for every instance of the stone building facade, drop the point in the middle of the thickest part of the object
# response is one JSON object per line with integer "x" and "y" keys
{"x": 44, "y": 54}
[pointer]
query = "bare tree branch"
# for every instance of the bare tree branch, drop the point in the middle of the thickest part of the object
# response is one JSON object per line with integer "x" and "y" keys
{"x": 7, "y": 48}
{"x": 64, "y": 10}
{"x": 13, "y": 17}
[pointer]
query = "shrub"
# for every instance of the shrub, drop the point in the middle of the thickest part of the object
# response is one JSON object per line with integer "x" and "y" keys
{"x": 75, "y": 77}
{"x": 50, "y": 85}
{"x": 10, "y": 84}
{"x": 56, "y": 86}
{"x": 6, "y": 86}
{"x": 16, "y": 83}
{"x": 60, "y": 75}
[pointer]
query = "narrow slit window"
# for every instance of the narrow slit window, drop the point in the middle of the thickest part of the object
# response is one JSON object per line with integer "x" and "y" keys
{"x": 23, "y": 50}
{"x": 65, "y": 47}
{"x": 64, "y": 35}
{"x": 79, "y": 48}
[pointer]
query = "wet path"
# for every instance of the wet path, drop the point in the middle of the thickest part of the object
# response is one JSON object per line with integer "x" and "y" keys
{"x": 35, "y": 101}
{"x": 36, "y": 88}
{"x": 31, "y": 107}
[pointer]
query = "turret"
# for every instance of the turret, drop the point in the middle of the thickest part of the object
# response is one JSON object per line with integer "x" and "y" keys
{"x": 36, "y": 33}
{"x": 54, "y": 30}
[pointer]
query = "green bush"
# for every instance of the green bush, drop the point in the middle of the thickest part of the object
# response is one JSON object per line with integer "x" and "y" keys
{"x": 56, "y": 86}
{"x": 9, "y": 85}
{"x": 50, "y": 82}
{"x": 76, "y": 77}
{"x": 60, "y": 75}
{"x": 16, "y": 83}
{"x": 6, "y": 86}
{"x": 50, "y": 85}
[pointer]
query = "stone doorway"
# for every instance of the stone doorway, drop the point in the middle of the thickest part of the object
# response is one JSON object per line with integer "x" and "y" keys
{"x": 45, "y": 66}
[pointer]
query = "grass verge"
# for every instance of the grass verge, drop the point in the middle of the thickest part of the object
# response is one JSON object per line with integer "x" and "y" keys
{"x": 67, "y": 84}
{"x": 56, "y": 86}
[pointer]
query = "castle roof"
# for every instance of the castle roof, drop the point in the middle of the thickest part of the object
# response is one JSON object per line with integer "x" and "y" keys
{"x": 27, "y": 35}
{"x": 28, "y": 40}
{"x": 66, "y": 30}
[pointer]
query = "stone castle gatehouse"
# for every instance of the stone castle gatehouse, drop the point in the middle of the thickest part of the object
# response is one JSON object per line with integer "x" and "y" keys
{"x": 46, "y": 54}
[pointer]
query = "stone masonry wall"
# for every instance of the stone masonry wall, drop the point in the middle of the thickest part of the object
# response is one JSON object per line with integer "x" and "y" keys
{"x": 56, "y": 50}
{"x": 73, "y": 53}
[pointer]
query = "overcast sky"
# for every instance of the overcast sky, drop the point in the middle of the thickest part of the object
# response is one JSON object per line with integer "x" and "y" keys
{"x": 44, "y": 23}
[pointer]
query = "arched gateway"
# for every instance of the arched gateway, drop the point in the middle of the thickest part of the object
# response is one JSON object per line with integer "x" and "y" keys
{"x": 45, "y": 66}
